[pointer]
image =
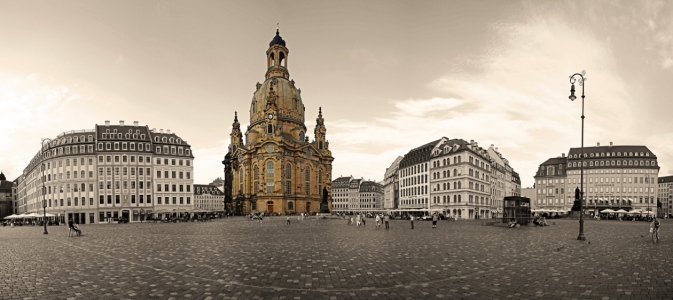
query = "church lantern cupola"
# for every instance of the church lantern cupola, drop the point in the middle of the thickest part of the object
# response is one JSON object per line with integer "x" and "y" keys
{"x": 276, "y": 57}
{"x": 320, "y": 131}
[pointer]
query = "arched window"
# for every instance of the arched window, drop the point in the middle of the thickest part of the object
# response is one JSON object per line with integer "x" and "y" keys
{"x": 269, "y": 169}
{"x": 269, "y": 128}
{"x": 256, "y": 172}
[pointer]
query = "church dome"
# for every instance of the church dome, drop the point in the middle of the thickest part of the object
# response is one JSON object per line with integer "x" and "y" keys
{"x": 289, "y": 105}
{"x": 277, "y": 40}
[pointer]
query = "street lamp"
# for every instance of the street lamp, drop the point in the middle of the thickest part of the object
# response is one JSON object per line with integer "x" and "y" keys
{"x": 572, "y": 97}
{"x": 44, "y": 189}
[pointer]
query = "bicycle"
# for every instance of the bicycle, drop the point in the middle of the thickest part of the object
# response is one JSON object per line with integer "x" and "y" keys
{"x": 655, "y": 235}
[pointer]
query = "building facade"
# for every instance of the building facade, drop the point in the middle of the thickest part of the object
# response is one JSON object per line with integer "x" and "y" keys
{"x": 208, "y": 198}
{"x": 460, "y": 180}
{"x": 109, "y": 172}
{"x": 550, "y": 186}
{"x": 665, "y": 197}
{"x": 391, "y": 185}
{"x": 277, "y": 169}
{"x": 7, "y": 192}
{"x": 455, "y": 177}
{"x": 352, "y": 195}
{"x": 615, "y": 177}
{"x": 414, "y": 183}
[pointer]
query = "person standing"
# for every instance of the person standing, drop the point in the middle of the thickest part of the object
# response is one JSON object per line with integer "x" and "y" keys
{"x": 434, "y": 220}
{"x": 288, "y": 219}
{"x": 357, "y": 220}
{"x": 411, "y": 219}
{"x": 364, "y": 222}
{"x": 378, "y": 221}
{"x": 386, "y": 220}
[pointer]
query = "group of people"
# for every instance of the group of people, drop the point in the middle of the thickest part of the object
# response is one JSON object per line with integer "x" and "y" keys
{"x": 361, "y": 220}
{"x": 540, "y": 221}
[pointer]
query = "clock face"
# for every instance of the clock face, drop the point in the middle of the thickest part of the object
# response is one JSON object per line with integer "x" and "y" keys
{"x": 270, "y": 116}
{"x": 269, "y": 148}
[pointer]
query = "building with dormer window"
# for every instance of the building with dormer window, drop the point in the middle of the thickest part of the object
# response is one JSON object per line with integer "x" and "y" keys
{"x": 277, "y": 169}
{"x": 208, "y": 198}
{"x": 615, "y": 177}
{"x": 110, "y": 172}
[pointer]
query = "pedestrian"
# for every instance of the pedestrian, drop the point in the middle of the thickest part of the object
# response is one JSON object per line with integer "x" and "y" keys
{"x": 350, "y": 220}
{"x": 434, "y": 220}
{"x": 386, "y": 220}
{"x": 363, "y": 220}
{"x": 378, "y": 221}
{"x": 358, "y": 220}
{"x": 288, "y": 219}
{"x": 261, "y": 216}
{"x": 411, "y": 219}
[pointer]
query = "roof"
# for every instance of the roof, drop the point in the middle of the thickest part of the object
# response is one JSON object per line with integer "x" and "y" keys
{"x": 615, "y": 148}
{"x": 277, "y": 40}
{"x": 555, "y": 161}
{"x": 666, "y": 179}
{"x": 418, "y": 155}
{"x": 200, "y": 189}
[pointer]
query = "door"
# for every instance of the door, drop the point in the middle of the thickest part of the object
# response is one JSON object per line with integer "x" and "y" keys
{"x": 125, "y": 215}
{"x": 308, "y": 207}
{"x": 269, "y": 206}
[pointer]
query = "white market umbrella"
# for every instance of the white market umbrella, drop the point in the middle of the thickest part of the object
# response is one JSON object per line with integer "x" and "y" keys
{"x": 11, "y": 217}
{"x": 605, "y": 211}
{"x": 634, "y": 212}
{"x": 621, "y": 211}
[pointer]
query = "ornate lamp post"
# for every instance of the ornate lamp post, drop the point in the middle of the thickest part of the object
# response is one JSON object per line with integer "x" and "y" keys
{"x": 44, "y": 189}
{"x": 572, "y": 97}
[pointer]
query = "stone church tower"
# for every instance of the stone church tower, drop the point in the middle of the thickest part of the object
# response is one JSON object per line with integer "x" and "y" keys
{"x": 277, "y": 169}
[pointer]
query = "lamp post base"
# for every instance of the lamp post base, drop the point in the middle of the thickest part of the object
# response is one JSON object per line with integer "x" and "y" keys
{"x": 581, "y": 236}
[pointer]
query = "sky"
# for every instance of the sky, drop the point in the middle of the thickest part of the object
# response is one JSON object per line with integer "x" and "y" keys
{"x": 389, "y": 75}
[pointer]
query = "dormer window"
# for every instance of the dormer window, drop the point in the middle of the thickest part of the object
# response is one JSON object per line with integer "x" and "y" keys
{"x": 163, "y": 139}
{"x": 156, "y": 139}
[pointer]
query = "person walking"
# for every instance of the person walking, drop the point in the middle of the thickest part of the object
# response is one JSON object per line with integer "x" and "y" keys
{"x": 357, "y": 220}
{"x": 386, "y": 219}
{"x": 411, "y": 219}
{"x": 364, "y": 222}
{"x": 434, "y": 220}
{"x": 378, "y": 221}
{"x": 288, "y": 219}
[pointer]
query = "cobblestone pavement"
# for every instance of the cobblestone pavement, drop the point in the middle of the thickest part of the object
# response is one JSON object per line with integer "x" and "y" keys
{"x": 328, "y": 259}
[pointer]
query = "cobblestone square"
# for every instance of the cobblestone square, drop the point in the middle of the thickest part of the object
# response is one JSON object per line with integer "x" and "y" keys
{"x": 327, "y": 259}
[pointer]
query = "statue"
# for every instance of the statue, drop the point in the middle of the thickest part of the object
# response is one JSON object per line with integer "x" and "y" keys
{"x": 324, "y": 206}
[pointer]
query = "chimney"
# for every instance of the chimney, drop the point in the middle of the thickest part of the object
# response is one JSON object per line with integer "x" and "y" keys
{"x": 168, "y": 131}
{"x": 121, "y": 122}
{"x": 610, "y": 143}
{"x": 107, "y": 122}
{"x": 135, "y": 123}
{"x": 161, "y": 130}
{"x": 154, "y": 130}
{"x": 563, "y": 155}
{"x": 598, "y": 144}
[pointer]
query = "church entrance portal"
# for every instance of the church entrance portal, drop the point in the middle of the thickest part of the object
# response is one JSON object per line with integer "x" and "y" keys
{"x": 269, "y": 206}
{"x": 308, "y": 207}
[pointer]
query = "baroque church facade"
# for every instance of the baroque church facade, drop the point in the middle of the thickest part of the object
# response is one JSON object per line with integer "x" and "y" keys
{"x": 277, "y": 170}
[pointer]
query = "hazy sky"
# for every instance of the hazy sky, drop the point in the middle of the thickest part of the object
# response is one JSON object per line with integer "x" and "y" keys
{"x": 389, "y": 75}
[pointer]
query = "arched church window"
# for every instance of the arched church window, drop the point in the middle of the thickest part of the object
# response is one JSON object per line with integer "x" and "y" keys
{"x": 269, "y": 169}
{"x": 269, "y": 128}
{"x": 256, "y": 173}
{"x": 301, "y": 136}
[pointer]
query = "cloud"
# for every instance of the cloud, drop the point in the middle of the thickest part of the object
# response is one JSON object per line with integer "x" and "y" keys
{"x": 29, "y": 107}
{"x": 516, "y": 99}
